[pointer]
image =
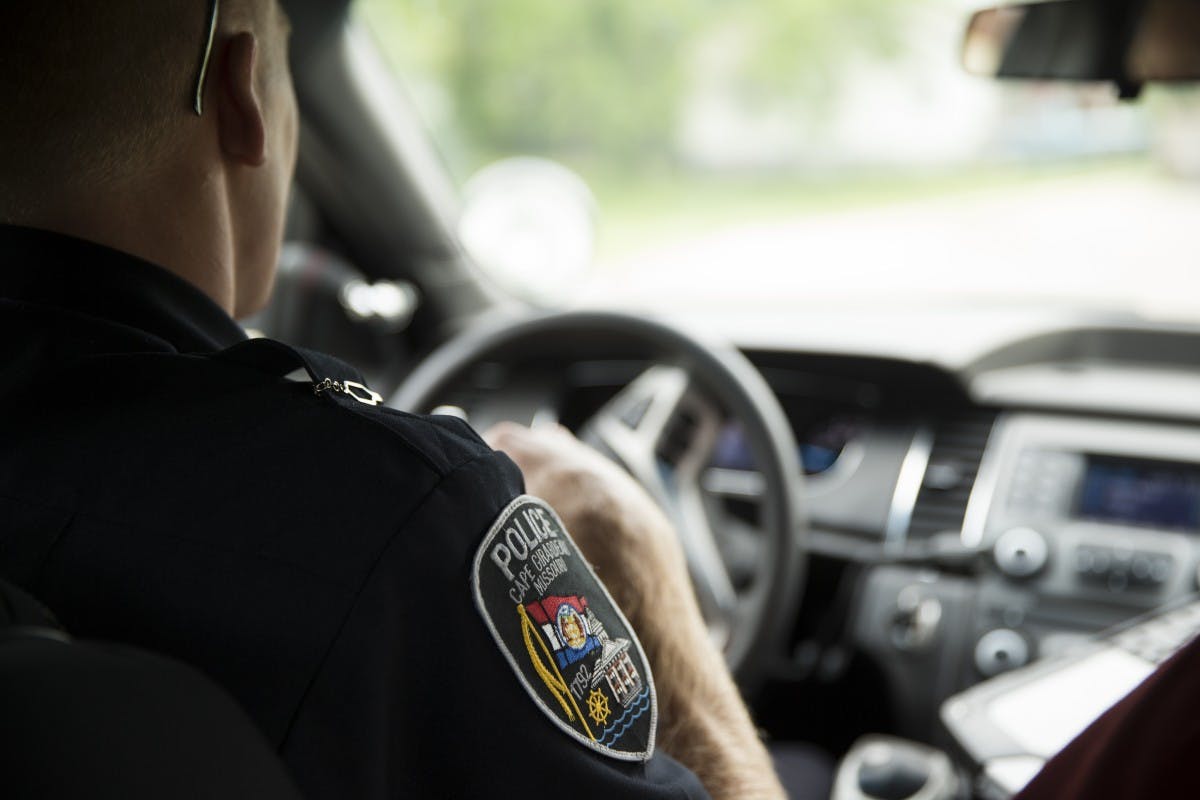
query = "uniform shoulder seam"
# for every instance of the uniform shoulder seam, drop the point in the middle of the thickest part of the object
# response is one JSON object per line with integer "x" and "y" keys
{"x": 362, "y": 412}
{"x": 477, "y": 450}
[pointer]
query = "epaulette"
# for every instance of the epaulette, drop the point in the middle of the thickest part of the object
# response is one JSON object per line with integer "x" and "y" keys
{"x": 443, "y": 442}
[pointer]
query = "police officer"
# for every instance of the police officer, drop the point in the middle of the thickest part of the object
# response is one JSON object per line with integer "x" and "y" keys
{"x": 377, "y": 589}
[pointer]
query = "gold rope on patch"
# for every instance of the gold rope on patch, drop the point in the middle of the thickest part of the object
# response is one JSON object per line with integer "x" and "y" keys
{"x": 554, "y": 680}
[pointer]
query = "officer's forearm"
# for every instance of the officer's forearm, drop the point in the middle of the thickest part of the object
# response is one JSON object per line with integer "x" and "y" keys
{"x": 703, "y": 722}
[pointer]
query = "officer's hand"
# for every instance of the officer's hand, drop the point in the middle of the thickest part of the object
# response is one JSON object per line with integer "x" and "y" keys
{"x": 619, "y": 528}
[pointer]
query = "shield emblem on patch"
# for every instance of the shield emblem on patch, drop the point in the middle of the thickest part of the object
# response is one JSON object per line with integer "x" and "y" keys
{"x": 568, "y": 643}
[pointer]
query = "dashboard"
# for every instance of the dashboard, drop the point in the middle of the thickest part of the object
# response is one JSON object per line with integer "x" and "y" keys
{"x": 1047, "y": 490}
{"x": 968, "y": 513}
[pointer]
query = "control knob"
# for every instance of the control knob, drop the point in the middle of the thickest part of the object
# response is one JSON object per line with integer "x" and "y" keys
{"x": 1000, "y": 650}
{"x": 1020, "y": 553}
{"x": 916, "y": 620}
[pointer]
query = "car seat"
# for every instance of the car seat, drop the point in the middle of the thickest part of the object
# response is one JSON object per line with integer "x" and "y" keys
{"x": 89, "y": 719}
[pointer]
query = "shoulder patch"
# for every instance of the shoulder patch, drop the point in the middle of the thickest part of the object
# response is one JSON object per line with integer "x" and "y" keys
{"x": 571, "y": 647}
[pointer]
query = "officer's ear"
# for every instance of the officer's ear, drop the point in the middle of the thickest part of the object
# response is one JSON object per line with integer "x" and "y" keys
{"x": 242, "y": 127}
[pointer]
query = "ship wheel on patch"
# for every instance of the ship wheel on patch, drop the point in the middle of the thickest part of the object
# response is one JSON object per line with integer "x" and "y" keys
{"x": 598, "y": 709}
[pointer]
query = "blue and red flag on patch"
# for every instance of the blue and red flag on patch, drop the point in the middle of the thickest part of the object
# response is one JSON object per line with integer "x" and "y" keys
{"x": 565, "y": 625}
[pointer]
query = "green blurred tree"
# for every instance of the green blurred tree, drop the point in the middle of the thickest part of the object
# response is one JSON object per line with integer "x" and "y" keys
{"x": 605, "y": 80}
{"x": 569, "y": 77}
{"x": 797, "y": 51}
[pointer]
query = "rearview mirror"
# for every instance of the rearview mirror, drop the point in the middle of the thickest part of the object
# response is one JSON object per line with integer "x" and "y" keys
{"x": 1127, "y": 43}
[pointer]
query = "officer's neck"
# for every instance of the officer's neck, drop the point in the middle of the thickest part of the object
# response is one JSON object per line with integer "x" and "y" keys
{"x": 176, "y": 218}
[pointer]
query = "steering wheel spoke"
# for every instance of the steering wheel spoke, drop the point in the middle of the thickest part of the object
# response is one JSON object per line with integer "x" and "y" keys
{"x": 634, "y": 426}
{"x": 662, "y": 430}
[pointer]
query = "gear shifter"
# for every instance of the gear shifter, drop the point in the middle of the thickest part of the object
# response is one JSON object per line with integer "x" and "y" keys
{"x": 885, "y": 768}
{"x": 891, "y": 773}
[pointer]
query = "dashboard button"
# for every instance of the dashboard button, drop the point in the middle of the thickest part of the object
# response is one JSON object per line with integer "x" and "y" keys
{"x": 1161, "y": 568}
{"x": 1093, "y": 564}
{"x": 1140, "y": 568}
{"x": 1020, "y": 552}
{"x": 1119, "y": 570}
{"x": 1150, "y": 569}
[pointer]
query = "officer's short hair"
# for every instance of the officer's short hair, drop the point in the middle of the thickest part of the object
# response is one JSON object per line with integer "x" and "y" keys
{"x": 91, "y": 90}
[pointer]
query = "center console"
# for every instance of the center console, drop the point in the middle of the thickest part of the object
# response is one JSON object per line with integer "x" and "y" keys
{"x": 1099, "y": 511}
{"x": 1085, "y": 523}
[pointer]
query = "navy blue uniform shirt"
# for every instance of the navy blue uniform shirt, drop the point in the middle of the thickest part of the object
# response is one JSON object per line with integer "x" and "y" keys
{"x": 310, "y": 553}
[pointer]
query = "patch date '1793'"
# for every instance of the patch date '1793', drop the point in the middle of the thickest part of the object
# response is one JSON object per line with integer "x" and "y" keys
{"x": 572, "y": 649}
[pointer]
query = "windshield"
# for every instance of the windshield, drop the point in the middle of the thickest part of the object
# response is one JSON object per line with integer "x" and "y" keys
{"x": 776, "y": 153}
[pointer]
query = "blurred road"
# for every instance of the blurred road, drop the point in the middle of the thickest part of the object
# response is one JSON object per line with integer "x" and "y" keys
{"x": 1110, "y": 241}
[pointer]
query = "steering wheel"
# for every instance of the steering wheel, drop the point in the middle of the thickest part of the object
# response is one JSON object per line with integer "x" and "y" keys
{"x": 662, "y": 428}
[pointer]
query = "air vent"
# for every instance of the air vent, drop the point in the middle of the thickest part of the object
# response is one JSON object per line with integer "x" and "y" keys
{"x": 958, "y": 444}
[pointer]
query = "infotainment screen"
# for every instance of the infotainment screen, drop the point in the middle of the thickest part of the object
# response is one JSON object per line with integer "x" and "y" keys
{"x": 1149, "y": 493}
